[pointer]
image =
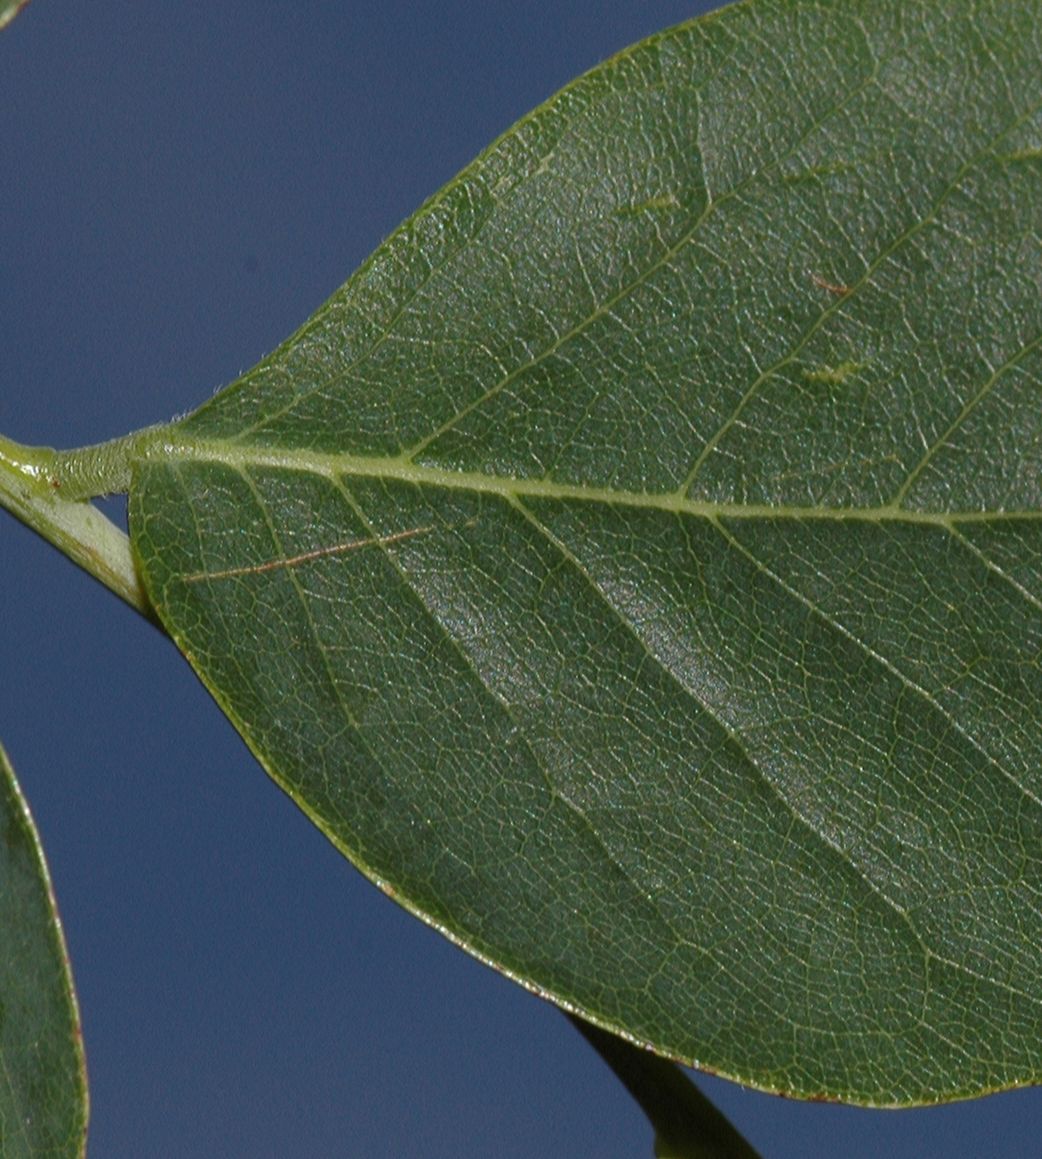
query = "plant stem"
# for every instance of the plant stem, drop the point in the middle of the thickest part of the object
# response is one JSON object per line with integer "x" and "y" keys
{"x": 47, "y": 490}
{"x": 687, "y": 1125}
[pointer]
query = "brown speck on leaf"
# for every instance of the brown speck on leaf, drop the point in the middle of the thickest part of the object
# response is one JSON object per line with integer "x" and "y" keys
{"x": 832, "y": 287}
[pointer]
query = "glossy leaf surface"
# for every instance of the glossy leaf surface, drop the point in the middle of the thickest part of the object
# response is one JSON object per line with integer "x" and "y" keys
{"x": 43, "y": 1095}
{"x": 636, "y": 567}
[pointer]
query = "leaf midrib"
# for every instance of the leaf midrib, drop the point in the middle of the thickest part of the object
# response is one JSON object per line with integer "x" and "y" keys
{"x": 163, "y": 449}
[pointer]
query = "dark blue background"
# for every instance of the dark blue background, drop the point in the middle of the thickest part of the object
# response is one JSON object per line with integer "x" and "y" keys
{"x": 182, "y": 184}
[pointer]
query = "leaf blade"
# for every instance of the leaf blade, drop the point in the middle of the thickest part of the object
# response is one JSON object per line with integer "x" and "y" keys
{"x": 43, "y": 1093}
{"x": 619, "y": 529}
{"x": 9, "y": 9}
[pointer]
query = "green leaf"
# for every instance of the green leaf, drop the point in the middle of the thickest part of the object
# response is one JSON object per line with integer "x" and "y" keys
{"x": 636, "y": 567}
{"x": 43, "y": 1090}
{"x": 9, "y": 9}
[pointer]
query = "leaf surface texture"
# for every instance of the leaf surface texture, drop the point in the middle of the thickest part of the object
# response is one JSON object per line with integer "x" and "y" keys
{"x": 43, "y": 1092}
{"x": 636, "y": 567}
